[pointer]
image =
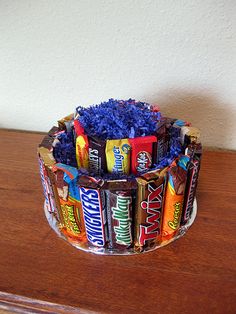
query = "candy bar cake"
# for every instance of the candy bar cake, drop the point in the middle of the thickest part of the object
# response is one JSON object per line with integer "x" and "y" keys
{"x": 119, "y": 177}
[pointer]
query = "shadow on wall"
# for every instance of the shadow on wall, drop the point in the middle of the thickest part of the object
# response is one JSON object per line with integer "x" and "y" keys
{"x": 203, "y": 111}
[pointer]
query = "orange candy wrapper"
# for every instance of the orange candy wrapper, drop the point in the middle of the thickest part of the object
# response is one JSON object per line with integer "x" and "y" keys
{"x": 174, "y": 197}
{"x": 71, "y": 208}
{"x": 73, "y": 219}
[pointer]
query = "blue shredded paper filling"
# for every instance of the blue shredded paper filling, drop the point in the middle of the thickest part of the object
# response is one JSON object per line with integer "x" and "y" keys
{"x": 64, "y": 151}
{"x": 117, "y": 119}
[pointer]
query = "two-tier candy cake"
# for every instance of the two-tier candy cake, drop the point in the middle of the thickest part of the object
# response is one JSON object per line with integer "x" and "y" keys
{"x": 120, "y": 178}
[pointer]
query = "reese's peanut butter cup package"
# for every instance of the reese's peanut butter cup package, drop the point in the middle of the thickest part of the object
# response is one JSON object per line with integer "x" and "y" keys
{"x": 174, "y": 197}
{"x": 70, "y": 204}
{"x": 141, "y": 153}
{"x": 73, "y": 219}
{"x": 118, "y": 156}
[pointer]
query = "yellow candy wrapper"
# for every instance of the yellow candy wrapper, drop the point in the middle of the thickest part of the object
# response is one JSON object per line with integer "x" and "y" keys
{"x": 82, "y": 156}
{"x": 118, "y": 156}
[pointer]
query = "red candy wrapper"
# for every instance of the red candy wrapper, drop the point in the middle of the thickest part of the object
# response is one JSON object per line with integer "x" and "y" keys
{"x": 141, "y": 153}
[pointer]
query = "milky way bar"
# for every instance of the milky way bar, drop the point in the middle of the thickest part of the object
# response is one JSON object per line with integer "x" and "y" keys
{"x": 119, "y": 217}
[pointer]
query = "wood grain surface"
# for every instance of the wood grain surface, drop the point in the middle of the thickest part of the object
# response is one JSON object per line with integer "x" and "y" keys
{"x": 196, "y": 274}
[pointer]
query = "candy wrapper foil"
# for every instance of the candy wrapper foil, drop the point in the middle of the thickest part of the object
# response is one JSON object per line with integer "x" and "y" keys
{"x": 97, "y": 156}
{"x": 141, "y": 153}
{"x": 174, "y": 197}
{"x": 93, "y": 206}
{"x": 192, "y": 180}
{"x": 148, "y": 210}
{"x": 118, "y": 156}
{"x": 119, "y": 218}
{"x": 71, "y": 209}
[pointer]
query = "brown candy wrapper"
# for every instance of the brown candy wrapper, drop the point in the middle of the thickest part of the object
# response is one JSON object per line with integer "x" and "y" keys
{"x": 47, "y": 156}
{"x": 119, "y": 217}
{"x": 189, "y": 135}
{"x": 148, "y": 210}
{"x": 66, "y": 122}
{"x": 97, "y": 156}
{"x": 192, "y": 179}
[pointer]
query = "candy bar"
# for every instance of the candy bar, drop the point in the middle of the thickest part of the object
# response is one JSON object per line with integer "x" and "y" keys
{"x": 161, "y": 145}
{"x": 174, "y": 197}
{"x": 97, "y": 156}
{"x": 148, "y": 211}
{"x": 189, "y": 135}
{"x": 93, "y": 206}
{"x": 141, "y": 153}
{"x": 64, "y": 123}
{"x": 191, "y": 185}
{"x": 119, "y": 217}
{"x": 82, "y": 151}
{"x": 70, "y": 205}
{"x": 118, "y": 156}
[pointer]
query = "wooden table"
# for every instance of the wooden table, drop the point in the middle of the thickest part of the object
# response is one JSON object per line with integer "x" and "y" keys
{"x": 196, "y": 274}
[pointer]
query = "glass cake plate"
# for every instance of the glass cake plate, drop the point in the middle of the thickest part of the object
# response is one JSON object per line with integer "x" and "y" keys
{"x": 106, "y": 251}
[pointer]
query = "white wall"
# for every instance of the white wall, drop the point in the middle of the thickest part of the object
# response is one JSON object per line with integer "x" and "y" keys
{"x": 180, "y": 54}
